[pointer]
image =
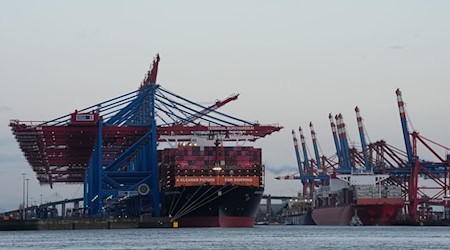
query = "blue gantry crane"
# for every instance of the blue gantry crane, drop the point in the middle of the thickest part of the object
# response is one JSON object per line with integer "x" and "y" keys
{"x": 112, "y": 146}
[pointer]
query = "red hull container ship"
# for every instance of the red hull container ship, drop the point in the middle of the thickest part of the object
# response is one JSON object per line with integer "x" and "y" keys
{"x": 357, "y": 199}
{"x": 212, "y": 186}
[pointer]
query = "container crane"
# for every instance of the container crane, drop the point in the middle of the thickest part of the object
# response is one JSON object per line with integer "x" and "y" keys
{"x": 299, "y": 164}
{"x": 119, "y": 139}
{"x": 436, "y": 171}
{"x": 307, "y": 177}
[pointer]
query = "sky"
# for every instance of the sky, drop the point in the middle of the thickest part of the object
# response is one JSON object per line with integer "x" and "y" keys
{"x": 292, "y": 62}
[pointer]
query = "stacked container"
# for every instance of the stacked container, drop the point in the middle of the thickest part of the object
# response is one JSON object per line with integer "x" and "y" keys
{"x": 177, "y": 164}
{"x": 393, "y": 192}
{"x": 364, "y": 191}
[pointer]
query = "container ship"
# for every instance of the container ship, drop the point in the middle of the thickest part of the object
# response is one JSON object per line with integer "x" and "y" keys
{"x": 212, "y": 186}
{"x": 357, "y": 199}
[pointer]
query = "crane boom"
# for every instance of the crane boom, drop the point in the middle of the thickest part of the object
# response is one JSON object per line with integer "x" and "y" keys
{"x": 401, "y": 108}
{"x": 346, "y": 167}
{"x": 335, "y": 137}
{"x": 297, "y": 154}
{"x": 314, "y": 140}
{"x": 305, "y": 152}
{"x": 211, "y": 108}
{"x": 363, "y": 138}
{"x": 152, "y": 74}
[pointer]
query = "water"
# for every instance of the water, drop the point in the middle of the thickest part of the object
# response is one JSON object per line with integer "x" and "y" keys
{"x": 259, "y": 237}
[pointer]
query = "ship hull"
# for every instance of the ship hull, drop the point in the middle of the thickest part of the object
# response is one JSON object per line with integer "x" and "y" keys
{"x": 381, "y": 212}
{"x": 212, "y": 205}
{"x": 339, "y": 216}
{"x": 300, "y": 219}
{"x": 371, "y": 211}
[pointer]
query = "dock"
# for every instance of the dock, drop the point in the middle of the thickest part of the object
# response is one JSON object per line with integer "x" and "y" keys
{"x": 85, "y": 223}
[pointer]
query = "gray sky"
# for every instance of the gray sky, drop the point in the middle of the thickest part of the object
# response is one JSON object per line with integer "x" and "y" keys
{"x": 292, "y": 62}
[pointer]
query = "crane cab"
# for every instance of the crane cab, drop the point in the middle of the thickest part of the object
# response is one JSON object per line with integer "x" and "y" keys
{"x": 84, "y": 119}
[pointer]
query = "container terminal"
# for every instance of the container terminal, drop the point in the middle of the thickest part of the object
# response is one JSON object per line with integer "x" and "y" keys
{"x": 152, "y": 158}
{"x": 147, "y": 158}
{"x": 376, "y": 183}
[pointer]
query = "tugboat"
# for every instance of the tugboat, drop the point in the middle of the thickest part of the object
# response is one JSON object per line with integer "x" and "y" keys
{"x": 356, "y": 221}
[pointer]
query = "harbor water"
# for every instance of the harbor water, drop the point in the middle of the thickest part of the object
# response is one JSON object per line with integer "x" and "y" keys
{"x": 259, "y": 237}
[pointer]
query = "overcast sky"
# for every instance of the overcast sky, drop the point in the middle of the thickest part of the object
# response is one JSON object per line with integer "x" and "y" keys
{"x": 292, "y": 62}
